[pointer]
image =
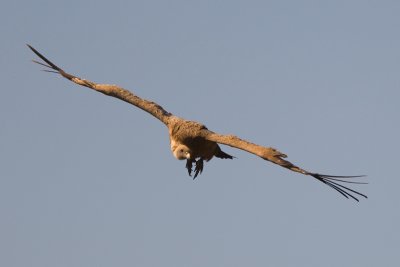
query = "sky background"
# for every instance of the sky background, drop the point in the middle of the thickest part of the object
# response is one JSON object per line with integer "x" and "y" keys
{"x": 88, "y": 180}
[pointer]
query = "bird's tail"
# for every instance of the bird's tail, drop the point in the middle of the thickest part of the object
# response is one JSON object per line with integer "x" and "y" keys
{"x": 222, "y": 155}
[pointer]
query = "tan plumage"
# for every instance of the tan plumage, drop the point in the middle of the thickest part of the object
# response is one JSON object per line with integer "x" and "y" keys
{"x": 194, "y": 142}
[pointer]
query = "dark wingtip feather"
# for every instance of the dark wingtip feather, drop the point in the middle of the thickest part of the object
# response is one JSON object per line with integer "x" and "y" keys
{"x": 51, "y": 64}
{"x": 333, "y": 182}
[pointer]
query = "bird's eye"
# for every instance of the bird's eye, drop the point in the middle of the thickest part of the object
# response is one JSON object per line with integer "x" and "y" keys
{"x": 181, "y": 150}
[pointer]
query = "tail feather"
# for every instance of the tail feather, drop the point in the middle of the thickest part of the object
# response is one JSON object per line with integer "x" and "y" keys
{"x": 222, "y": 155}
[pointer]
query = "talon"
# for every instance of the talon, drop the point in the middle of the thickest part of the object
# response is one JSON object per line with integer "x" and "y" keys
{"x": 199, "y": 167}
{"x": 189, "y": 164}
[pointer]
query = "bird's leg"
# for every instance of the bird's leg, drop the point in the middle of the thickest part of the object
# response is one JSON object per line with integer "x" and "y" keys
{"x": 189, "y": 163}
{"x": 199, "y": 167}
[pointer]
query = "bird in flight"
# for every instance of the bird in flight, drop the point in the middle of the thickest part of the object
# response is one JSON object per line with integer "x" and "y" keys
{"x": 193, "y": 142}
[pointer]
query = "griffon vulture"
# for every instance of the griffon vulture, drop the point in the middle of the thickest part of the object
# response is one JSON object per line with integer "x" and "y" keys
{"x": 193, "y": 142}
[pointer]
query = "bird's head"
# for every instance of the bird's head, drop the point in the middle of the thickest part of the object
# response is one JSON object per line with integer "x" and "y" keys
{"x": 182, "y": 152}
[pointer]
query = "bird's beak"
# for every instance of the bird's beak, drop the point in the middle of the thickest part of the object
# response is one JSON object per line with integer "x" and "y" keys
{"x": 188, "y": 155}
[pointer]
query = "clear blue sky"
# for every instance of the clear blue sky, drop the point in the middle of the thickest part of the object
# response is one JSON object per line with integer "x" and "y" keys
{"x": 87, "y": 180}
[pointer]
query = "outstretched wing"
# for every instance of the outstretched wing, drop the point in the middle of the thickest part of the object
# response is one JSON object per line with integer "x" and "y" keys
{"x": 108, "y": 89}
{"x": 273, "y": 155}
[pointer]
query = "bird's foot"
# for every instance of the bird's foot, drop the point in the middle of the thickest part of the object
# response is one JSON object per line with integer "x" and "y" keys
{"x": 199, "y": 167}
{"x": 189, "y": 164}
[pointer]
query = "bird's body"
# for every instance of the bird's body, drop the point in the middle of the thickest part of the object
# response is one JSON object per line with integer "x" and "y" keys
{"x": 192, "y": 141}
{"x": 188, "y": 143}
